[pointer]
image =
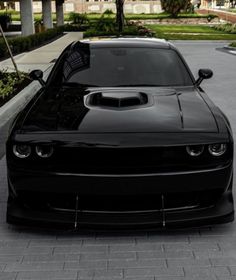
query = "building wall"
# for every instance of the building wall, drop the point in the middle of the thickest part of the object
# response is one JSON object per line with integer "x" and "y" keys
{"x": 98, "y": 6}
{"x": 215, "y": 4}
{"x": 132, "y": 7}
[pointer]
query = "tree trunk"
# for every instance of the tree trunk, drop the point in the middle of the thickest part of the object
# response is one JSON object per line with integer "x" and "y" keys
{"x": 120, "y": 14}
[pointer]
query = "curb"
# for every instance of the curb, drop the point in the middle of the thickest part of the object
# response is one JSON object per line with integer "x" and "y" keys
{"x": 9, "y": 110}
{"x": 15, "y": 105}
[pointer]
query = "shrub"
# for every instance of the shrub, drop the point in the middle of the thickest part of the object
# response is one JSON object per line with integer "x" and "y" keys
{"x": 210, "y": 17}
{"x": 71, "y": 27}
{"x": 10, "y": 83}
{"x": 78, "y": 19}
{"x": 108, "y": 12}
{"x": 94, "y": 33}
{"x": 144, "y": 31}
{"x": 175, "y": 6}
{"x": 3, "y": 49}
{"x": 131, "y": 29}
{"x": 106, "y": 24}
{"x": 75, "y": 27}
{"x": 233, "y": 44}
{"x": 5, "y": 20}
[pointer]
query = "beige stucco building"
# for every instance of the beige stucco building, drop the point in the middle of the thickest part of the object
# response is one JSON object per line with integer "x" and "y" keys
{"x": 217, "y": 4}
{"x": 99, "y": 6}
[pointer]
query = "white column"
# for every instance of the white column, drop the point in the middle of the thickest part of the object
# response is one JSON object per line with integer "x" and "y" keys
{"x": 59, "y": 12}
{"x": 27, "y": 17}
{"x": 47, "y": 13}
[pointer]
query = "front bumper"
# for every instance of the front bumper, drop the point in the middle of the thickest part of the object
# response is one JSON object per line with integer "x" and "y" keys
{"x": 214, "y": 209}
{"x": 221, "y": 212}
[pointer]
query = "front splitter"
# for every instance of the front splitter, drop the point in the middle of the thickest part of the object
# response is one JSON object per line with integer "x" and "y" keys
{"x": 221, "y": 212}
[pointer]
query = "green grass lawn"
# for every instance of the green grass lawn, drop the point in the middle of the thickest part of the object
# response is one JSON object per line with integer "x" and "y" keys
{"x": 189, "y": 32}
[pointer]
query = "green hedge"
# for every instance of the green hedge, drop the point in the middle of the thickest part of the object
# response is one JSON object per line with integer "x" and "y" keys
{"x": 22, "y": 44}
{"x": 5, "y": 20}
{"x": 130, "y": 30}
{"x": 75, "y": 27}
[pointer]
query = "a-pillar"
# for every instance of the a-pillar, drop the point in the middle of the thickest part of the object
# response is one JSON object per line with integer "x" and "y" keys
{"x": 27, "y": 17}
{"x": 59, "y": 12}
{"x": 47, "y": 13}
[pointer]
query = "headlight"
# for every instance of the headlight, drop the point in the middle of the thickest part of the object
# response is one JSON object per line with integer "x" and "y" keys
{"x": 195, "y": 150}
{"x": 21, "y": 150}
{"x": 44, "y": 151}
{"x": 217, "y": 149}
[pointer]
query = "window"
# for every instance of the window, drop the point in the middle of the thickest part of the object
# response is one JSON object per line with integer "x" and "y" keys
{"x": 113, "y": 66}
{"x": 220, "y": 2}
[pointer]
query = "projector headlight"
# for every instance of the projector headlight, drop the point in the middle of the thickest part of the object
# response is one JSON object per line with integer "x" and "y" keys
{"x": 217, "y": 149}
{"x": 195, "y": 150}
{"x": 44, "y": 151}
{"x": 22, "y": 150}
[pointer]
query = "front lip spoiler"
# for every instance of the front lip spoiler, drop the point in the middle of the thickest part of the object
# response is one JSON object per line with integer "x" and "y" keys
{"x": 184, "y": 208}
{"x": 219, "y": 168}
{"x": 221, "y": 212}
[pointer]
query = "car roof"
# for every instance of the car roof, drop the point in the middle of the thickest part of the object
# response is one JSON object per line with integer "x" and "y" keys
{"x": 127, "y": 42}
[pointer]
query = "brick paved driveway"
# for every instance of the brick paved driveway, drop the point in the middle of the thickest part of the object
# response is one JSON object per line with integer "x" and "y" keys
{"x": 206, "y": 253}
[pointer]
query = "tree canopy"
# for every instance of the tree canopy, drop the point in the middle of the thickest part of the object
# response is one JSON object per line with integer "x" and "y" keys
{"x": 175, "y": 6}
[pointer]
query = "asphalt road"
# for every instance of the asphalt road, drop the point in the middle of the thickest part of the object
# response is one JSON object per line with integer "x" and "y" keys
{"x": 200, "y": 253}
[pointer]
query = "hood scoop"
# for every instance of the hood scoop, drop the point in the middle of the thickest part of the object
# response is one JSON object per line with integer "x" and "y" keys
{"x": 117, "y": 99}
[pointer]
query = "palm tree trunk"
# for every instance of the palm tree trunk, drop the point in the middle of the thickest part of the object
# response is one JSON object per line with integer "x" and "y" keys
{"x": 120, "y": 14}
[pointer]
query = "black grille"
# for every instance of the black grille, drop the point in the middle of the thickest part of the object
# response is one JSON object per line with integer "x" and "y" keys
{"x": 118, "y": 161}
{"x": 127, "y": 160}
{"x": 90, "y": 160}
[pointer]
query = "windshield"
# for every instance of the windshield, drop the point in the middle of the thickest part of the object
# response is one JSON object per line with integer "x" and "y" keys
{"x": 116, "y": 66}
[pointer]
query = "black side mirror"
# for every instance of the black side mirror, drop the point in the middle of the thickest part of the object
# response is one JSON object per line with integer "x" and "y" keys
{"x": 203, "y": 74}
{"x": 37, "y": 75}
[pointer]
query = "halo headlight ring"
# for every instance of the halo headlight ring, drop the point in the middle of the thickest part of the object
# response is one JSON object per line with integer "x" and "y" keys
{"x": 217, "y": 150}
{"x": 21, "y": 150}
{"x": 44, "y": 151}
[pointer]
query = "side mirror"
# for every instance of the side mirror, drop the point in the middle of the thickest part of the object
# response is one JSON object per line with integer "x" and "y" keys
{"x": 203, "y": 74}
{"x": 37, "y": 75}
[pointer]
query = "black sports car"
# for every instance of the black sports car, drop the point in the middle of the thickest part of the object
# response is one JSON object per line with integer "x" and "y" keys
{"x": 120, "y": 135}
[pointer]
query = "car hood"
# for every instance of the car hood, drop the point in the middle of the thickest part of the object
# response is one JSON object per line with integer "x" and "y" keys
{"x": 100, "y": 110}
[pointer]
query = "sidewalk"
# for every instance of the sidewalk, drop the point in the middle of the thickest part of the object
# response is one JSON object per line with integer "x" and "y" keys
{"x": 43, "y": 57}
